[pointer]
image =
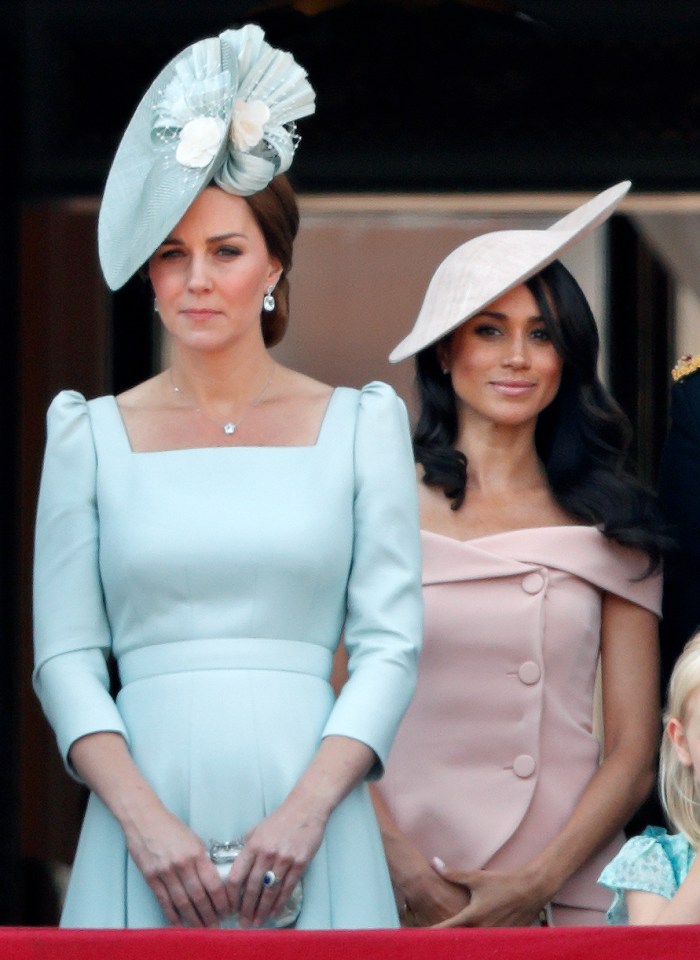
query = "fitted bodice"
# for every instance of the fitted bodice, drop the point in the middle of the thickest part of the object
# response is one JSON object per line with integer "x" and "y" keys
{"x": 269, "y": 543}
{"x": 190, "y": 558}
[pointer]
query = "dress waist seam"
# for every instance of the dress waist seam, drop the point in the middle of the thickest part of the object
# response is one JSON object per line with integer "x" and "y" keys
{"x": 225, "y": 653}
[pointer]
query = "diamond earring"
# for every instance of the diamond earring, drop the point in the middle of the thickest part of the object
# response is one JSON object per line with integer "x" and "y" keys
{"x": 269, "y": 300}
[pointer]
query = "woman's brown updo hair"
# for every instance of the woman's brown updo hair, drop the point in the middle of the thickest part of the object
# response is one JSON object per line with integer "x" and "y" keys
{"x": 277, "y": 214}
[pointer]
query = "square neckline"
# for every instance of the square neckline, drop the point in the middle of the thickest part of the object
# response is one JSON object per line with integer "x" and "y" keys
{"x": 240, "y": 446}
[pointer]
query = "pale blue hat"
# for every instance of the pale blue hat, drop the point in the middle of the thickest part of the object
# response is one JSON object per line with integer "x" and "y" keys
{"x": 221, "y": 111}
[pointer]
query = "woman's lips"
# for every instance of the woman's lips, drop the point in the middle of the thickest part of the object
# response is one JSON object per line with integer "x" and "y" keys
{"x": 199, "y": 314}
{"x": 512, "y": 388}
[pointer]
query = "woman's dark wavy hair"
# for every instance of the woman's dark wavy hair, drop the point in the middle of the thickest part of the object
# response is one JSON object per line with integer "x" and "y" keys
{"x": 582, "y": 437}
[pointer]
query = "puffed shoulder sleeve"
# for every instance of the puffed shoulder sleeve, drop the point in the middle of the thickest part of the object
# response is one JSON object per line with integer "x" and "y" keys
{"x": 653, "y": 862}
{"x": 71, "y": 632}
{"x": 384, "y": 624}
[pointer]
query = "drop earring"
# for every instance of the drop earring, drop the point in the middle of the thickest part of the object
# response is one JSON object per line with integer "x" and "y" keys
{"x": 269, "y": 300}
{"x": 155, "y": 306}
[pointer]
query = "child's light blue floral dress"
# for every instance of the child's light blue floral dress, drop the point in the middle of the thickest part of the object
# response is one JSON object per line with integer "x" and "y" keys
{"x": 655, "y": 861}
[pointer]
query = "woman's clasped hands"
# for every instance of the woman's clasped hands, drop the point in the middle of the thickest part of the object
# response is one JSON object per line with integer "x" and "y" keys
{"x": 175, "y": 863}
{"x": 505, "y": 898}
{"x": 444, "y": 898}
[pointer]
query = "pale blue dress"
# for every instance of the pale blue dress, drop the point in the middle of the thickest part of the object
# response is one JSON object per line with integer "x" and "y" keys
{"x": 221, "y": 579}
{"x": 655, "y": 862}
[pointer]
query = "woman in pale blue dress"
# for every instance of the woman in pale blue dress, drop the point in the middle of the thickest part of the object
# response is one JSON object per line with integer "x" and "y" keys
{"x": 655, "y": 878}
{"x": 215, "y": 529}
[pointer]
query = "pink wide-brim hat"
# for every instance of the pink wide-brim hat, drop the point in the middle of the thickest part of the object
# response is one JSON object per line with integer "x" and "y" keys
{"x": 485, "y": 267}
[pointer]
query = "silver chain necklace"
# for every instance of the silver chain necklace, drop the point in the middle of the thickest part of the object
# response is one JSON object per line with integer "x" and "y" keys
{"x": 230, "y": 426}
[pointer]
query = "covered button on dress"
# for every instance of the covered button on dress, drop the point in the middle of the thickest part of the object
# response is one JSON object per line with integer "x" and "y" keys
{"x": 498, "y": 745}
{"x": 220, "y": 579}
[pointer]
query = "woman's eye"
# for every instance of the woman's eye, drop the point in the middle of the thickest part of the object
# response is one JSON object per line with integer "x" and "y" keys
{"x": 541, "y": 333}
{"x": 487, "y": 330}
{"x": 170, "y": 253}
{"x": 228, "y": 251}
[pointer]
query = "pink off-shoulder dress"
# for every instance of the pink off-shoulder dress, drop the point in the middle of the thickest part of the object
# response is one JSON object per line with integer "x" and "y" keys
{"x": 498, "y": 743}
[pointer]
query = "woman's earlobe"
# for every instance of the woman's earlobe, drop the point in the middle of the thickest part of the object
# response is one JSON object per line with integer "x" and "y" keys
{"x": 443, "y": 360}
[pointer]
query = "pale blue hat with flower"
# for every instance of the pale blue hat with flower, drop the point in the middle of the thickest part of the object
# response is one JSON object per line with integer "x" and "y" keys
{"x": 222, "y": 111}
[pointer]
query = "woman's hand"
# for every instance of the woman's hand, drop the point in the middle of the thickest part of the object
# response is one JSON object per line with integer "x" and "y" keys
{"x": 423, "y": 897}
{"x": 174, "y": 860}
{"x": 284, "y": 843}
{"x": 287, "y": 839}
{"x": 498, "y": 898}
{"x": 629, "y": 651}
{"x": 170, "y": 856}
{"x": 175, "y": 865}
{"x": 430, "y": 899}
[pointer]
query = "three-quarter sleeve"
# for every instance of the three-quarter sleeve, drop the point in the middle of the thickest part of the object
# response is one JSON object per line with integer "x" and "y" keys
{"x": 384, "y": 624}
{"x": 71, "y": 631}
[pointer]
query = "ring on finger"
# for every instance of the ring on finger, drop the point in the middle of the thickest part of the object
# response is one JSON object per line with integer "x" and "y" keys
{"x": 270, "y": 879}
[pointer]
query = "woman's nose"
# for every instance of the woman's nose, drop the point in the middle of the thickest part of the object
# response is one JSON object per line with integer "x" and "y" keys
{"x": 517, "y": 353}
{"x": 199, "y": 278}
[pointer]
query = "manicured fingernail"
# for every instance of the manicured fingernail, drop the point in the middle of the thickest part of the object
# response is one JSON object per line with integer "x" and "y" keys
{"x": 437, "y": 862}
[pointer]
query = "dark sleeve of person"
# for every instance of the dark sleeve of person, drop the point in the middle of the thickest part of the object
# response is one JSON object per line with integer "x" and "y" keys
{"x": 679, "y": 494}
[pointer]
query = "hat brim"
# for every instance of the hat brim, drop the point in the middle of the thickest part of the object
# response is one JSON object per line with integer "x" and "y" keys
{"x": 180, "y": 139}
{"x": 147, "y": 192}
{"x": 485, "y": 267}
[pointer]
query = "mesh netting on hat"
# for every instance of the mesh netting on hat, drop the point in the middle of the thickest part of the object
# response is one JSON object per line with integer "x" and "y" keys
{"x": 222, "y": 111}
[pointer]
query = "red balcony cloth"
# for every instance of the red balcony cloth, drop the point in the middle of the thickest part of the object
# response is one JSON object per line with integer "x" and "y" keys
{"x": 572, "y": 943}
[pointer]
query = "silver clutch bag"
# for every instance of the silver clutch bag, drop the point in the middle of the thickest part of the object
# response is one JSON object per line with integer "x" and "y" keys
{"x": 222, "y": 856}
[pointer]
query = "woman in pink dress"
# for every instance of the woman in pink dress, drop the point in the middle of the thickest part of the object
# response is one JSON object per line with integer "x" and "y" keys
{"x": 540, "y": 555}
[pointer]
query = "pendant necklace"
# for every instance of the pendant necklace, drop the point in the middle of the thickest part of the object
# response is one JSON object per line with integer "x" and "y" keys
{"x": 230, "y": 427}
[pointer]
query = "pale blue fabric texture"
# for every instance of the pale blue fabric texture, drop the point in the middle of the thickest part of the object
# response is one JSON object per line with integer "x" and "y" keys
{"x": 655, "y": 862}
{"x": 221, "y": 579}
{"x": 148, "y": 189}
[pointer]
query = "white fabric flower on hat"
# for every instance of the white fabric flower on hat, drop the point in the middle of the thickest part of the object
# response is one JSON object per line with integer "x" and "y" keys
{"x": 248, "y": 123}
{"x": 200, "y": 140}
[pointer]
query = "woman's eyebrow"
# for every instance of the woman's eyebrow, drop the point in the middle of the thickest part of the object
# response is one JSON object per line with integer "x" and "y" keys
{"x": 496, "y": 315}
{"x": 176, "y": 241}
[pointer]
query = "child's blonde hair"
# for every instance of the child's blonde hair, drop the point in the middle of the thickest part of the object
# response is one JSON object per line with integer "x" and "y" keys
{"x": 679, "y": 791}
